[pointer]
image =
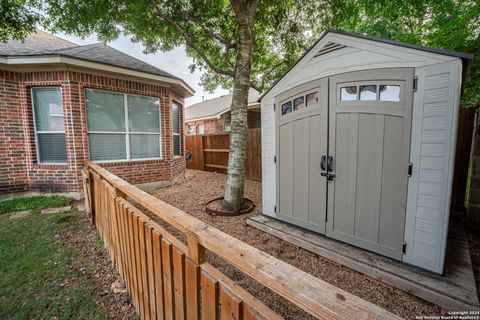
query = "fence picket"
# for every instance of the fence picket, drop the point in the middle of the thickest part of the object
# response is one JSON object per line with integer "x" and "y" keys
{"x": 231, "y": 305}
{"x": 167, "y": 279}
{"x": 209, "y": 287}
{"x": 157, "y": 265}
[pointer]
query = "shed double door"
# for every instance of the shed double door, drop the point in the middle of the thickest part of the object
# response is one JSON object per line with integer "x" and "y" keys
{"x": 343, "y": 168}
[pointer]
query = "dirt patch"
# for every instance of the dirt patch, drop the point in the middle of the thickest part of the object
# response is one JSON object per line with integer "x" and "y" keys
{"x": 198, "y": 187}
{"x": 92, "y": 260}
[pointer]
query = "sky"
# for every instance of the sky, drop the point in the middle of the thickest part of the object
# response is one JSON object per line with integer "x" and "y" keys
{"x": 175, "y": 62}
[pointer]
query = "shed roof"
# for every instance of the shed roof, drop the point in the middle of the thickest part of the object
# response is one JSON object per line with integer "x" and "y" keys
{"x": 462, "y": 55}
{"x": 42, "y": 43}
{"x": 216, "y": 106}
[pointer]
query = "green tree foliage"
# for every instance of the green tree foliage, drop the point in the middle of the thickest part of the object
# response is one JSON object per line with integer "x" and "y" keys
{"x": 207, "y": 28}
{"x": 447, "y": 24}
{"x": 17, "y": 19}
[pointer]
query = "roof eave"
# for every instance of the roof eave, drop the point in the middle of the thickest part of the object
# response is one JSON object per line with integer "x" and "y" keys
{"x": 68, "y": 60}
{"x": 462, "y": 55}
{"x": 250, "y": 106}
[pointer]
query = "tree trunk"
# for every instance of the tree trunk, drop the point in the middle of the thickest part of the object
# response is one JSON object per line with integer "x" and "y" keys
{"x": 234, "y": 187}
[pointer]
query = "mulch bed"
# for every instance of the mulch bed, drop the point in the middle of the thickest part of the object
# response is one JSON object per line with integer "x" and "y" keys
{"x": 198, "y": 187}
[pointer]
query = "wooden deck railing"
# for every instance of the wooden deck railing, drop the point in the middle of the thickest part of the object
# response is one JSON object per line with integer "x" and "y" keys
{"x": 167, "y": 279}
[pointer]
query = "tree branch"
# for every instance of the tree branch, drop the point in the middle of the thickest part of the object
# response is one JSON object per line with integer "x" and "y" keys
{"x": 229, "y": 44}
{"x": 191, "y": 43}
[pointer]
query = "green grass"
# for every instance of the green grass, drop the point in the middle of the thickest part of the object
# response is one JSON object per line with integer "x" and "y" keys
{"x": 39, "y": 273}
{"x": 33, "y": 203}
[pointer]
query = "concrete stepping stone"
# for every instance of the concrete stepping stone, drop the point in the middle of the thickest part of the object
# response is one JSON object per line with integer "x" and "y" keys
{"x": 58, "y": 209}
{"x": 21, "y": 214}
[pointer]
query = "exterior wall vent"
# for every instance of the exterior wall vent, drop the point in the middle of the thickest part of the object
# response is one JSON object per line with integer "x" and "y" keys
{"x": 329, "y": 47}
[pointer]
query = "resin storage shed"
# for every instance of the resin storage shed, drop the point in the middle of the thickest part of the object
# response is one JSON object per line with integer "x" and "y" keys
{"x": 358, "y": 144}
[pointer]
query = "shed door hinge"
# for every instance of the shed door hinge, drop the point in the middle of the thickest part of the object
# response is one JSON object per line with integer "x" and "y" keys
{"x": 410, "y": 169}
{"x": 274, "y": 107}
{"x": 274, "y": 159}
{"x": 275, "y": 209}
{"x": 404, "y": 247}
{"x": 415, "y": 84}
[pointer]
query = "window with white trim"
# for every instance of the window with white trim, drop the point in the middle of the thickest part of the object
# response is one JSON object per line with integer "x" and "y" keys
{"x": 177, "y": 127}
{"x": 122, "y": 127}
{"x": 49, "y": 125}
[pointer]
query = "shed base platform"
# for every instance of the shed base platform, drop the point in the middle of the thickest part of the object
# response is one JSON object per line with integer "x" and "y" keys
{"x": 454, "y": 291}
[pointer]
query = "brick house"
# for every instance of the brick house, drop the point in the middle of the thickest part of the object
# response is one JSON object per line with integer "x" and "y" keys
{"x": 213, "y": 116}
{"x": 62, "y": 103}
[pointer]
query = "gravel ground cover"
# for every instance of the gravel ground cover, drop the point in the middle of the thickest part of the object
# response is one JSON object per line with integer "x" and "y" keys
{"x": 198, "y": 187}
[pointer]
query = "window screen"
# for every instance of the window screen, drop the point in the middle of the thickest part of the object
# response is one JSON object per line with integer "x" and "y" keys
{"x": 177, "y": 136}
{"x": 49, "y": 125}
{"x": 122, "y": 126}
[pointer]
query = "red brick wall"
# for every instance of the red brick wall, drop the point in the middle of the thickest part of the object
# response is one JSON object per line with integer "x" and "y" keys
{"x": 13, "y": 176}
{"x": 19, "y": 168}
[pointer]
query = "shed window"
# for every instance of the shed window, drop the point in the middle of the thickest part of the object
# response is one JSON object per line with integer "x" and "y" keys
{"x": 122, "y": 126}
{"x": 49, "y": 125}
{"x": 348, "y": 93}
{"x": 389, "y": 93}
{"x": 312, "y": 98}
{"x": 177, "y": 135}
{"x": 368, "y": 93}
{"x": 299, "y": 103}
{"x": 286, "y": 107}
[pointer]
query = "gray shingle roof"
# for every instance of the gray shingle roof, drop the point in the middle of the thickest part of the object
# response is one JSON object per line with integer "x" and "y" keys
{"x": 43, "y": 43}
{"x": 37, "y": 43}
{"x": 213, "y": 107}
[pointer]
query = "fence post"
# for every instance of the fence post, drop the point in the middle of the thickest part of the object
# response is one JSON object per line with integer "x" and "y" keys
{"x": 196, "y": 252}
{"x": 87, "y": 182}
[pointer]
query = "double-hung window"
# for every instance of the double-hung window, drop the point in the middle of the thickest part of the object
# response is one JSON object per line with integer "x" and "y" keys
{"x": 49, "y": 125}
{"x": 177, "y": 127}
{"x": 122, "y": 127}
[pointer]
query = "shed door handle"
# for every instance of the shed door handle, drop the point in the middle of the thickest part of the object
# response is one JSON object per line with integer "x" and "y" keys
{"x": 330, "y": 163}
{"x": 323, "y": 162}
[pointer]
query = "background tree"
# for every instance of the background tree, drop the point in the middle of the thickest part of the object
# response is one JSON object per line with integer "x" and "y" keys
{"x": 17, "y": 19}
{"x": 238, "y": 43}
{"x": 447, "y": 24}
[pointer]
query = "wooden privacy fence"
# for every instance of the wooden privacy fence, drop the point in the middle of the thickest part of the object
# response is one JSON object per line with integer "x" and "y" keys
{"x": 466, "y": 120}
{"x": 210, "y": 153}
{"x": 167, "y": 279}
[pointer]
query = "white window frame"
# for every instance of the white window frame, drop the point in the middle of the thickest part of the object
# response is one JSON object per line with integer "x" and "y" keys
{"x": 39, "y": 160}
{"x": 180, "y": 127}
{"x": 127, "y": 131}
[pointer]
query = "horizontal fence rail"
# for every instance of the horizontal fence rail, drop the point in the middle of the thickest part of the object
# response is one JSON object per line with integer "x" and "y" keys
{"x": 167, "y": 279}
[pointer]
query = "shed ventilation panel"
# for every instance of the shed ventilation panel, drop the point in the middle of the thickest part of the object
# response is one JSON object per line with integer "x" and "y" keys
{"x": 329, "y": 47}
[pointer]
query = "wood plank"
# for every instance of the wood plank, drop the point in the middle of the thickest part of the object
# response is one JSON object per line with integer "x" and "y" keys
{"x": 138, "y": 272}
{"x": 216, "y": 150}
{"x": 123, "y": 233}
{"x": 133, "y": 264}
{"x": 192, "y": 285}
{"x": 231, "y": 305}
{"x": 412, "y": 280}
{"x": 208, "y": 165}
{"x": 209, "y": 287}
{"x": 168, "y": 285}
{"x": 313, "y": 295}
{"x": 179, "y": 283}
{"x": 252, "y": 307}
{"x": 151, "y": 271}
{"x": 143, "y": 268}
{"x": 157, "y": 265}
